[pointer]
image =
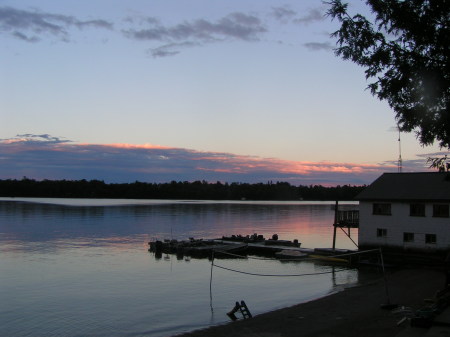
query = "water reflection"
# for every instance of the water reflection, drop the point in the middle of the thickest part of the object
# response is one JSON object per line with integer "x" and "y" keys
{"x": 85, "y": 270}
{"x": 30, "y": 222}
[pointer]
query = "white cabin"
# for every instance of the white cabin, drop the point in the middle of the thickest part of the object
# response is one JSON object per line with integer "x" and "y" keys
{"x": 409, "y": 211}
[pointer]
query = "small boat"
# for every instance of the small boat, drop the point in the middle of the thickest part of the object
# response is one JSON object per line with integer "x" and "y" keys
{"x": 332, "y": 255}
{"x": 290, "y": 254}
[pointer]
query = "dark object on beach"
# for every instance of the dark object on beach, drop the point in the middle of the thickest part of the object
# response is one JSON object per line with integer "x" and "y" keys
{"x": 389, "y": 306}
{"x": 242, "y": 307}
{"x": 430, "y": 314}
{"x": 424, "y": 318}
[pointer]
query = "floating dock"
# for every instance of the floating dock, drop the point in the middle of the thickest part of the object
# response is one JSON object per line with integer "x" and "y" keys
{"x": 236, "y": 244}
{"x": 242, "y": 246}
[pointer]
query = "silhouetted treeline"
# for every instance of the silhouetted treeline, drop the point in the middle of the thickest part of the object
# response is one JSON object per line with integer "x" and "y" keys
{"x": 199, "y": 190}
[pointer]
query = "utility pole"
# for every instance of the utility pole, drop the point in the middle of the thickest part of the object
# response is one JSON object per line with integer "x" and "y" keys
{"x": 400, "y": 163}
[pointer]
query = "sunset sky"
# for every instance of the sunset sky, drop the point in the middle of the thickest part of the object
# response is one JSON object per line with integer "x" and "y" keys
{"x": 185, "y": 90}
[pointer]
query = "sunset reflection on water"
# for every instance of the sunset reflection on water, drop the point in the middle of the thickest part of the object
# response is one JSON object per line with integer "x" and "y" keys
{"x": 86, "y": 270}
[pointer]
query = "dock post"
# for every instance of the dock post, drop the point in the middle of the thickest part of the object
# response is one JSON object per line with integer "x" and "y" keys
{"x": 335, "y": 224}
{"x": 210, "y": 281}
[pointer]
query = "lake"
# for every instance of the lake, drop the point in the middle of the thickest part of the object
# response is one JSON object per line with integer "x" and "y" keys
{"x": 81, "y": 267}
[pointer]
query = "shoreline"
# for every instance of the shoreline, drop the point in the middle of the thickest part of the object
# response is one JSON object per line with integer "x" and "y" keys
{"x": 354, "y": 312}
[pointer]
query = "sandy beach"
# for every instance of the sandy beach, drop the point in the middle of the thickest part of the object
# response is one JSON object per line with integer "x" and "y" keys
{"x": 355, "y": 311}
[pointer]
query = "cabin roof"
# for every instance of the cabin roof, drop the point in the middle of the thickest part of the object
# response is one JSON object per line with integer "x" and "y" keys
{"x": 423, "y": 186}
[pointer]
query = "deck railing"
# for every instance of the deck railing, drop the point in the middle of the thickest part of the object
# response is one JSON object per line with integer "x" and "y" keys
{"x": 348, "y": 218}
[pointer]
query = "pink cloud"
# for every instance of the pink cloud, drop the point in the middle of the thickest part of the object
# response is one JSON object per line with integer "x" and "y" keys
{"x": 46, "y": 157}
{"x": 132, "y": 146}
{"x": 248, "y": 163}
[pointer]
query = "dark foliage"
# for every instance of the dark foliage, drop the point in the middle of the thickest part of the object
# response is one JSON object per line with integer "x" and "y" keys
{"x": 406, "y": 51}
{"x": 441, "y": 164}
{"x": 197, "y": 190}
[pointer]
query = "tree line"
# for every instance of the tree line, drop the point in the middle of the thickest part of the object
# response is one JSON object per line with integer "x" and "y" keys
{"x": 197, "y": 190}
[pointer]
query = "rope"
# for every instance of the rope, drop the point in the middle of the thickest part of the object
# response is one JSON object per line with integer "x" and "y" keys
{"x": 258, "y": 258}
{"x": 279, "y": 275}
{"x": 242, "y": 256}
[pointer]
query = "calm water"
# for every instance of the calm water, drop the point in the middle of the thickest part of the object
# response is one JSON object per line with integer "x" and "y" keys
{"x": 81, "y": 267}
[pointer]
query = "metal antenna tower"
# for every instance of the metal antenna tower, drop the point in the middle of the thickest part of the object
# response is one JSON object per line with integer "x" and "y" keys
{"x": 399, "y": 163}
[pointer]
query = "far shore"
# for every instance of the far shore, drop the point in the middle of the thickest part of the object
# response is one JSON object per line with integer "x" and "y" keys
{"x": 354, "y": 312}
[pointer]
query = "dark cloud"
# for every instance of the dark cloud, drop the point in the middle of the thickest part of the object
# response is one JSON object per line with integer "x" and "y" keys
{"x": 47, "y": 157}
{"x": 162, "y": 52}
{"x": 418, "y": 164}
{"x": 238, "y": 26}
{"x": 170, "y": 49}
{"x": 318, "y": 46}
{"x": 33, "y": 138}
{"x": 313, "y": 15}
{"x": 234, "y": 26}
{"x": 411, "y": 165}
{"x": 141, "y": 20}
{"x": 30, "y": 25}
{"x": 22, "y": 36}
{"x": 94, "y": 23}
{"x": 283, "y": 14}
{"x": 34, "y": 25}
{"x": 435, "y": 154}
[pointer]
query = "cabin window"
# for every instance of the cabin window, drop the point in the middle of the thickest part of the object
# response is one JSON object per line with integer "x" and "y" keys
{"x": 408, "y": 237}
{"x": 417, "y": 209}
{"x": 440, "y": 210}
{"x": 430, "y": 238}
{"x": 382, "y": 209}
{"x": 381, "y": 232}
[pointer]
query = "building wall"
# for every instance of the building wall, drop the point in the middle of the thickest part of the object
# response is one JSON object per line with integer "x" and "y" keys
{"x": 400, "y": 222}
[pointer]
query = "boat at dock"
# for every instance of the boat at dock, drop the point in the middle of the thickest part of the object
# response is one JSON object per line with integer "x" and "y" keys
{"x": 326, "y": 258}
{"x": 335, "y": 255}
{"x": 291, "y": 254}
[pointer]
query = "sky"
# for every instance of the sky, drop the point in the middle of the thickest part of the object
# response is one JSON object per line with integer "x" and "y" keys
{"x": 162, "y": 90}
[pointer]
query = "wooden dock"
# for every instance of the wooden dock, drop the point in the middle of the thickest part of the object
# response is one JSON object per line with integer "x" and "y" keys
{"x": 225, "y": 248}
